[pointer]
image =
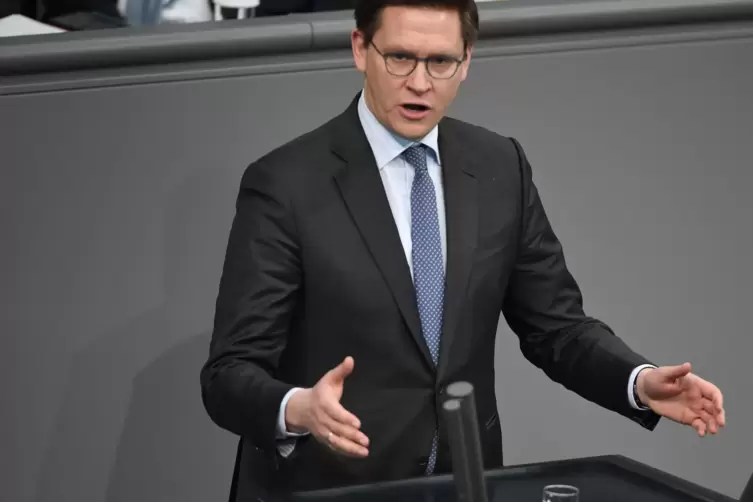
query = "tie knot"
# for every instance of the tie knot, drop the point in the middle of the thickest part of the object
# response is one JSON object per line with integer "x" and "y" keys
{"x": 416, "y": 156}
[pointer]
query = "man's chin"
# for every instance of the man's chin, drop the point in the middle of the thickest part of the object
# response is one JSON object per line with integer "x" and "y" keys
{"x": 413, "y": 130}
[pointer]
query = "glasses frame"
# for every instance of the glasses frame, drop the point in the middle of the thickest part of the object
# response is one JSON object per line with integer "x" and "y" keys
{"x": 417, "y": 60}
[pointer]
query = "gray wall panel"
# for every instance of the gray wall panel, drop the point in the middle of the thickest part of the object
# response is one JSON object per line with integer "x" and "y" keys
{"x": 176, "y": 43}
{"x": 117, "y": 202}
{"x": 642, "y": 159}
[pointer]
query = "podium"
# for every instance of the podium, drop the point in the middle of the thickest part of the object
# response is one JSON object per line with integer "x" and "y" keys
{"x": 611, "y": 478}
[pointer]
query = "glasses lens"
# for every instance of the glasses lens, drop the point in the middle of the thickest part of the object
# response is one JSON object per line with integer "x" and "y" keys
{"x": 442, "y": 68}
{"x": 400, "y": 65}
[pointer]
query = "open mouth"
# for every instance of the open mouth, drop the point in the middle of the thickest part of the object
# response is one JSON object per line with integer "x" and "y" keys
{"x": 415, "y": 107}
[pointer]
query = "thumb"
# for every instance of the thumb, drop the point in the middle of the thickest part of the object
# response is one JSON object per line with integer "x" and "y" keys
{"x": 672, "y": 373}
{"x": 338, "y": 374}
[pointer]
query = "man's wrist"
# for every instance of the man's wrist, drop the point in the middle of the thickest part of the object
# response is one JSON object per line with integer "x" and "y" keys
{"x": 635, "y": 397}
{"x": 296, "y": 410}
{"x": 284, "y": 432}
{"x": 640, "y": 396}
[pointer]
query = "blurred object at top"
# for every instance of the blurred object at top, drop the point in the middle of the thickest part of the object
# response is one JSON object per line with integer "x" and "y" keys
{"x": 241, "y": 8}
{"x": 148, "y": 12}
{"x": 65, "y": 14}
{"x": 16, "y": 25}
{"x": 268, "y": 8}
{"x": 98, "y": 14}
{"x": 140, "y": 12}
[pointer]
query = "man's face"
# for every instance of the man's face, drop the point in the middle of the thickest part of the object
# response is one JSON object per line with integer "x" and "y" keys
{"x": 412, "y": 105}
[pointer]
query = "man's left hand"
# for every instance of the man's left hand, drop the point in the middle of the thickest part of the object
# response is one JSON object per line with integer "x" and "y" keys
{"x": 676, "y": 393}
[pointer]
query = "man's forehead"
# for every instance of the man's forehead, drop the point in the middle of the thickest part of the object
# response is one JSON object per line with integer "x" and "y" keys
{"x": 423, "y": 19}
{"x": 420, "y": 30}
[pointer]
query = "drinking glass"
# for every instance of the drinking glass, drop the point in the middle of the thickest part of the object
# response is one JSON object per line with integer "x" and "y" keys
{"x": 560, "y": 493}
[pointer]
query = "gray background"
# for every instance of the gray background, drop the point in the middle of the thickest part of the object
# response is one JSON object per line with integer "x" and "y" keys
{"x": 117, "y": 194}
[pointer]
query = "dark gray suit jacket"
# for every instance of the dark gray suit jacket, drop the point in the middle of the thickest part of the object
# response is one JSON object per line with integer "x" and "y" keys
{"x": 315, "y": 271}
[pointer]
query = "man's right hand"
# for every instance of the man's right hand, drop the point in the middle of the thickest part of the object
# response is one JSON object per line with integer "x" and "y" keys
{"x": 318, "y": 411}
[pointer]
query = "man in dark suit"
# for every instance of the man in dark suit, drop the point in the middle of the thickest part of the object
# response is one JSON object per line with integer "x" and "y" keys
{"x": 368, "y": 264}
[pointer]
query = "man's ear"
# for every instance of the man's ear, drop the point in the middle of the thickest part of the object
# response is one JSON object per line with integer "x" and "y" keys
{"x": 358, "y": 44}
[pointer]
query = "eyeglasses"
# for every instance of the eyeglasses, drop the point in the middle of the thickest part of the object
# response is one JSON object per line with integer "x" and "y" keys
{"x": 402, "y": 64}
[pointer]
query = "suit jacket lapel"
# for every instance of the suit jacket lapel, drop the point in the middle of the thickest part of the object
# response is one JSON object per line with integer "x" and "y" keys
{"x": 363, "y": 192}
{"x": 461, "y": 207}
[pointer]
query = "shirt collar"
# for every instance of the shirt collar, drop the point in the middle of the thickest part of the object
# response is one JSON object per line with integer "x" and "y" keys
{"x": 386, "y": 145}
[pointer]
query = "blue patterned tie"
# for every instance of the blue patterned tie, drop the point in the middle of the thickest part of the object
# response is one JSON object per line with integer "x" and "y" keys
{"x": 428, "y": 265}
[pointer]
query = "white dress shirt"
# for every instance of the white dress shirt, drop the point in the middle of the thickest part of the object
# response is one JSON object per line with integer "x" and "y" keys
{"x": 397, "y": 178}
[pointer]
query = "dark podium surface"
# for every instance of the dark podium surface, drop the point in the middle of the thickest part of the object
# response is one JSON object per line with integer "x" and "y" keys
{"x": 600, "y": 479}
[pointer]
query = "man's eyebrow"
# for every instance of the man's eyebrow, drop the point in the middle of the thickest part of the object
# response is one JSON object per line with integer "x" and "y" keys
{"x": 446, "y": 55}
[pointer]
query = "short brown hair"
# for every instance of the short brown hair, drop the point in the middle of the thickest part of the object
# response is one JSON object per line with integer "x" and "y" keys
{"x": 368, "y": 14}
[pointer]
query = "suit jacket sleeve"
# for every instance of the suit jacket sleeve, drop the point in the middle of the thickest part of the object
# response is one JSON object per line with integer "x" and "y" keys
{"x": 260, "y": 281}
{"x": 544, "y": 307}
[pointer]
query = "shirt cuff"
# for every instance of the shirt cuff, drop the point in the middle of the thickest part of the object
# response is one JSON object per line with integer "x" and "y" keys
{"x": 631, "y": 386}
{"x": 282, "y": 430}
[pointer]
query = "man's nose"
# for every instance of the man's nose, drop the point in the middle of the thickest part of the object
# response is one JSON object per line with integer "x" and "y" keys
{"x": 419, "y": 81}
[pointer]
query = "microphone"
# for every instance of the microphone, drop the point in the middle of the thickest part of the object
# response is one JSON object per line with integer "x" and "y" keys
{"x": 465, "y": 443}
